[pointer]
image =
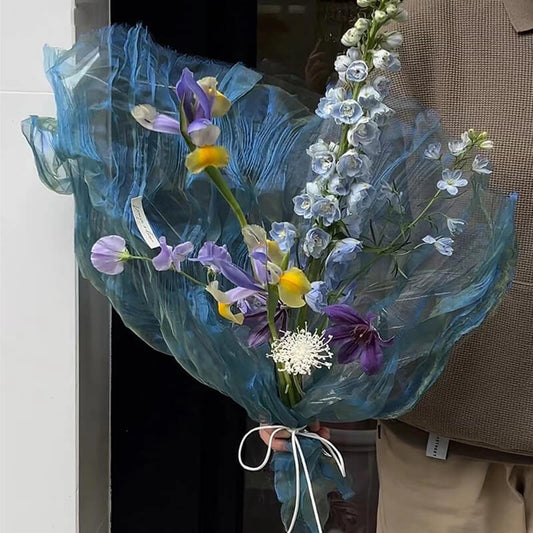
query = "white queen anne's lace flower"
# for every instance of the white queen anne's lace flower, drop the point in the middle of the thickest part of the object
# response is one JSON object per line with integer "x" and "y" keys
{"x": 298, "y": 352}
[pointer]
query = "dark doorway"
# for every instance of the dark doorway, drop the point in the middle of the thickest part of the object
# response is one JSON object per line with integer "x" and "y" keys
{"x": 174, "y": 441}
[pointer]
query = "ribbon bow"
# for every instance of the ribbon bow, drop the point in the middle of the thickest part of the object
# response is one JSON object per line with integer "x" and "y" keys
{"x": 299, "y": 458}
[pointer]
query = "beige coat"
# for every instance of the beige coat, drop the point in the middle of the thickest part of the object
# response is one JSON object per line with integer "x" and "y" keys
{"x": 472, "y": 61}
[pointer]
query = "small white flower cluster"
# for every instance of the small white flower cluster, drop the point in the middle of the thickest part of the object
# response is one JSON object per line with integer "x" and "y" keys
{"x": 453, "y": 178}
{"x": 300, "y": 351}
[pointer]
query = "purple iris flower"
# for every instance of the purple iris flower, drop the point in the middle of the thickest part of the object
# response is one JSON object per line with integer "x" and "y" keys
{"x": 355, "y": 337}
{"x": 109, "y": 253}
{"x": 198, "y": 110}
{"x": 219, "y": 260}
{"x": 258, "y": 322}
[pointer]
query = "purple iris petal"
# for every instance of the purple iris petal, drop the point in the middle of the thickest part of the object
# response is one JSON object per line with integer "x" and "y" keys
{"x": 258, "y": 321}
{"x": 371, "y": 359}
{"x": 356, "y": 338}
{"x": 347, "y": 353}
{"x": 259, "y": 261}
{"x": 210, "y": 254}
{"x": 187, "y": 88}
{"x": 237, "y": 275}
{"x": 108, "y": 254}
{"x": 342, "y": 313}
{"x": 203, "y": 133}
{"x": 239, "y": 293}
{"x": 163, "y": 260}
{"x": 180, "y": 253}
{"x": 219, "y": 260}
{"x": 166, "y": 124}
{"x": 339, "y": 334}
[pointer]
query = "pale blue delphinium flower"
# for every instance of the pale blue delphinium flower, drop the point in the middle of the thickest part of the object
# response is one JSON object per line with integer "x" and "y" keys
{"x": 317, "y": 297}
{"x": 316, "y": 241}
{"x": 284, "y": 233}
{"x": 333, "y": 96}
{"x": 303, "y": 205}
{"x": 382, "y": 85}
{"x": 369, "y": 97}
{"x": 366, "y": 133}
{"x": 345, "y": 250}
{"x": 356, "y": 199}
{"x": 339, "y": 185}
{"x": 343, "y": 61}
{"x": 455, "y": 225}
{"x": 346, "y": 112}
{"x": 381, "y": 114}
{"x": 319, "y": 146}
{"x": 443, "y": 245}
{"x": 357, "y": 71}
{"x": 458, "y": 148}
{"x": 323, "y": 163}
{"x": 316, "y": 188}
{"x": 354, "y": 165}
{"x": 327, "y": 209}
{"x": 433, "y": 151}
{"x": 481, "y": 165}
{"x": 451, "y": 181}
{"x": 385, "y": 60}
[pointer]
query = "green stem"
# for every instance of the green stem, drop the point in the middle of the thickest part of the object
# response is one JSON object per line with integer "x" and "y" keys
{"x": 313, "y": 273}
{"x": 184, "y": 274}
{"x": 346, "y": 284}
{"x": 289, "y": 389}
{"x": 272, "y": 305}
{"x": 190, "y": 278}
{"x": 220, "y": 183}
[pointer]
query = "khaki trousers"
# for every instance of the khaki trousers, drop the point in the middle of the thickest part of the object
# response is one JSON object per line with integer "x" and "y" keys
{"x": 419, "y": 494}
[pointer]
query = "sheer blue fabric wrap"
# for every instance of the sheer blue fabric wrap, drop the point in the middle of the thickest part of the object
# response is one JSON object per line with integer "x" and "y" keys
{"x": 96, "y": 151}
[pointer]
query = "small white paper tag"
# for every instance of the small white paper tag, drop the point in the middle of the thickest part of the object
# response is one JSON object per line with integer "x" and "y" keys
{"x": 142, "y": 222}
{"x": 437, "y": 447}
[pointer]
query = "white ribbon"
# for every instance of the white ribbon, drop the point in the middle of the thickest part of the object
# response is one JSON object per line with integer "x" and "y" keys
{"x": 299, "y": 457}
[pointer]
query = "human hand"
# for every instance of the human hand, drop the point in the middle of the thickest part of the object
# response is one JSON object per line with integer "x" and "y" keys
{"x": 279, "y": 442}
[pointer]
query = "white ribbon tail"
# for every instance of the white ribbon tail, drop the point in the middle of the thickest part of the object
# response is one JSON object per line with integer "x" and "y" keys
{"x": 299, "y": 457}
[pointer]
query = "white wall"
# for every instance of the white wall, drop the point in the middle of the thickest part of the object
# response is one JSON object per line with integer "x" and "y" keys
{"x": 38, "y": 471}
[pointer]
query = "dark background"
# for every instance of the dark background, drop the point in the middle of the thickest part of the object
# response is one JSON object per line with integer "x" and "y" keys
{"x": 174, "y": 441}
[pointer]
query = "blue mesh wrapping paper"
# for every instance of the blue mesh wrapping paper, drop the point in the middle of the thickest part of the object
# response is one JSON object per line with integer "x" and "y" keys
{"x": 96, "y": 151}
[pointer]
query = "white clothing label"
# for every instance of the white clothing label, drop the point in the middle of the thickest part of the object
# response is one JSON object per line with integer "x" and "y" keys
{"x": 437, "y": 447}
{"x": 142, "y": 222}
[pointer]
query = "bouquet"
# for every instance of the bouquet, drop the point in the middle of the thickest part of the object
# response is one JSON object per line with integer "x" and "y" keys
{"x": 312, "y": 266}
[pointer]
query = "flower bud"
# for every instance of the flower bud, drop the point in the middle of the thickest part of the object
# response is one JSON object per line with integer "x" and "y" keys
{"x": 487, "y": 145}
{"x": 351, "y": 37}
{"x": 392, "y": 40}
{"x": 365, "y": 3}
{"x": 402, "y": 15}
{"x": 362, "y": 24}
{"x": 391, "y": 10}
{"x": 380, "y": 16}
